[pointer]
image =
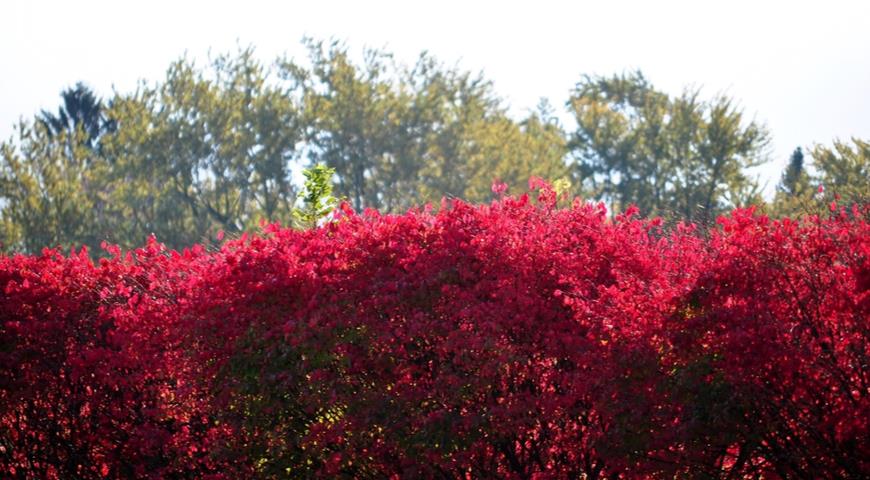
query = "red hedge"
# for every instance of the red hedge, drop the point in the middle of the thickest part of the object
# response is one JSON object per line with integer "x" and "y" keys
{"x": 512, "y": 340}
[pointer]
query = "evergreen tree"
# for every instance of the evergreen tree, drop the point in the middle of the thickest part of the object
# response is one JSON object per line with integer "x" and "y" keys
{"x": 842, "y": 171}
{"x": 80, "y": 109}
{"x": 793, "y": 194}
{"x": 795, "y": 175}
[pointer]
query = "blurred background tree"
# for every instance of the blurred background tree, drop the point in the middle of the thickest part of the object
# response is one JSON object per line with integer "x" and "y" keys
{"x": 205, "y": 150}
{"x": 50, "y": 190}
{"x": 52, "y": 181}
{"x": 399, "y": 136}
{"x": 674, "y": 156}
{"x": 842, "y": 170}
{"x": 794, "y": 189}
{"x": 81, "y": 109}
{"x": 222, "y": 146}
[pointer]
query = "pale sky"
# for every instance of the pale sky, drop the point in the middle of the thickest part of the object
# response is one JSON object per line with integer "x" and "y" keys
{"x": 802, "y": 68}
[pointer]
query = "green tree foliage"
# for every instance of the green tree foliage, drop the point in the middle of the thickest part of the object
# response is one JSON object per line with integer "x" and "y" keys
{"x": 353, "y": 114}
{"x": 512, "y": 152}
{"x": 669, "y": 155}
{"x": 399, "y": 136}
{"x": 794, "y": 191}
{"x": 205, "y": 150}
{"x": 52, "y": 182}
{"x": 50, "y": 190}
{"x": 215, "y": 147}
{"x": 317, "y": 199}
{"x": 842, "y": 171}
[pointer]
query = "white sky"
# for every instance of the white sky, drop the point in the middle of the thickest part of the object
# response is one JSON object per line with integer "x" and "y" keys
{"x": 803, "y": 68}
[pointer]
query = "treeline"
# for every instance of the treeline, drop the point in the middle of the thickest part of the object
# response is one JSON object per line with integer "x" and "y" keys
{"x": 214, "y": 147}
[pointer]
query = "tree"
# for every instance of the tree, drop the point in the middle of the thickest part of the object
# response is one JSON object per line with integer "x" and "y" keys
{"x": 52, "y": 181}
{"x": 80, "y": 109}
{"x": 674, "y": 156}
{"x": 352, "y": 114}
{"x": 317, "y": 199}
{"x": 794, "y": 177}
{"x": 212, "y": 148}
{"x": 839, "y": 173}
{"x": 844, "y": 169}
{"x": 399, "y": 136}
{"x": 512, "y": 152}
{"x": 205, "y": 150}
{"x": 51, "y": 190}
{"x": 794, "y": 193}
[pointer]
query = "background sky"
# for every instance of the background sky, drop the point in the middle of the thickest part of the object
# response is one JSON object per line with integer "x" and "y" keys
{"x": 802, "y": 68}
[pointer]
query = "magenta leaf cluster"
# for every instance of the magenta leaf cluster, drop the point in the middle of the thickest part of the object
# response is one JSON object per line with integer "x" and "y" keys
{"x": 513, "y": 340}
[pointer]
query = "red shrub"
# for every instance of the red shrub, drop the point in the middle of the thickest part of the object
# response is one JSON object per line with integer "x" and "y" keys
{"x": 772, "y": 349}
{"x": 512, "y": 340}
{"x": 89, "y": 367}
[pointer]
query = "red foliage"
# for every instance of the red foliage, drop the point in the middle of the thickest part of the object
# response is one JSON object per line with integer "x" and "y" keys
{"x": 772, "y": 344}
{"x": 511, "y": 340}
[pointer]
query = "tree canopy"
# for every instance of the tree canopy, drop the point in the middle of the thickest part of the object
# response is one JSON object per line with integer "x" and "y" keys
{"x": 681, "y": 156}
{"x": 839, "y": 173}
{"x": 221, "y": 146}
